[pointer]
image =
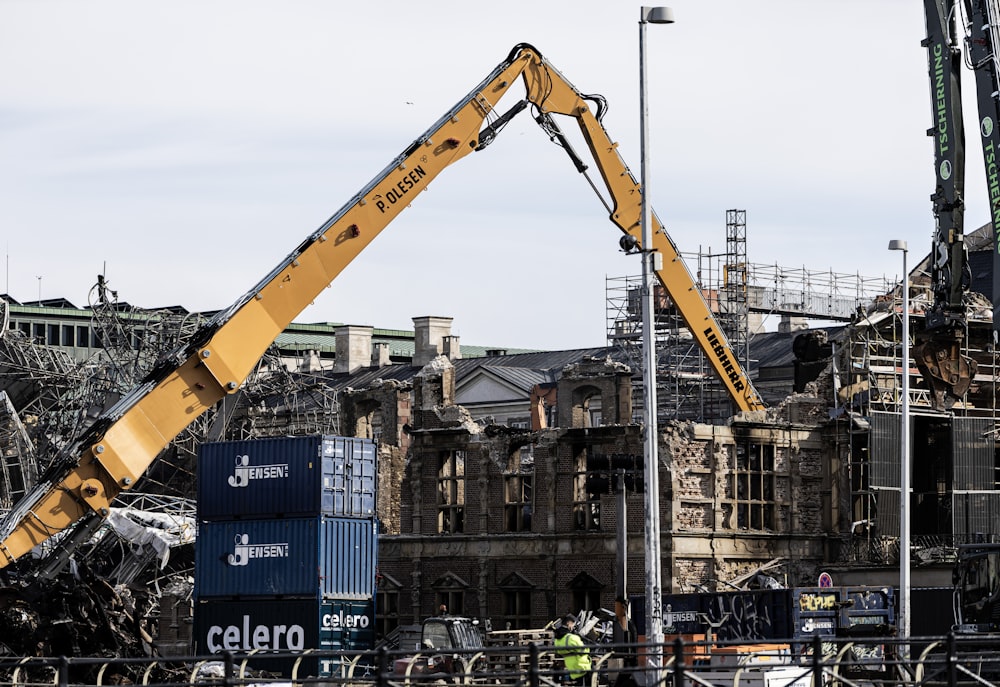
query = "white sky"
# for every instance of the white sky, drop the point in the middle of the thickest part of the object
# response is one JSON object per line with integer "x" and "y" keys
{"x": 186, "y": 147}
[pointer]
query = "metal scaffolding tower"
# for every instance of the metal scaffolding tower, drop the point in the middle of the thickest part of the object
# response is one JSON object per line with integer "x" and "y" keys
{"x": 734, "y": 289}
{"x": 734, "y": 306}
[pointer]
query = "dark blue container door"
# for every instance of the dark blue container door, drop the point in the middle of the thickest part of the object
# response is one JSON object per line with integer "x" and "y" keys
{"x": 287, "y": 477}
{"x": 301, "y": 557}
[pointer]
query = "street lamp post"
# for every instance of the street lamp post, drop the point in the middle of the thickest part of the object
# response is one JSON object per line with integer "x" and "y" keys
{"x": 904, "y": 461}
{"x": 654, "y": 603}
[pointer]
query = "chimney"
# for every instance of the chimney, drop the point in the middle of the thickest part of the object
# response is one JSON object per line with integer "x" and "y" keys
{"x": 380, "y": 354}
{"x": 452, "y": 348}
{"x": 354, "y": 348}
{"x": 789, "y": 324}
{"x": 311, "y": 362}
{"x": 429, "y": 333}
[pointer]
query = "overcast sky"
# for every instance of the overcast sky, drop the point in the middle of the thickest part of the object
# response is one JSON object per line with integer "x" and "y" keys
{"x": 184, "y": 148}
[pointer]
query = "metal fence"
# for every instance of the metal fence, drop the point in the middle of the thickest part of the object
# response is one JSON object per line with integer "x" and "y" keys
{"x": 819, "y": 662}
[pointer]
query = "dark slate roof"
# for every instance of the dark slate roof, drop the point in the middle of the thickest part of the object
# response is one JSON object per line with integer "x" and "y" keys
{"x": 774, "y": 349}
{"x": 522, "y": 370}
{"x": 979, "y": 244}
{"x": 368, "y": 376}
{"x": 536, "y": 360}
{"x": 520, "y": 377}
{"x": 770, "y": 349}
{"x": 49, "y": 303}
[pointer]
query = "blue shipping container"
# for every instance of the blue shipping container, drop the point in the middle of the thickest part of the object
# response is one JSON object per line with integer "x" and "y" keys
{"x": 287, "y": 476}
{"x": 301, "y": 557}
{"x": 289, "y": 627}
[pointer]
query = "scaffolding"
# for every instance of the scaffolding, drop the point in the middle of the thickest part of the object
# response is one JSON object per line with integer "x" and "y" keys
{"x": 686, "y": 389}
{"x": 740, "y": 294}
{"x": 872, "y": 365}
{"x": 60, "y": 398}
{"x": 956, "y": 483}
{"x": 734, "y": 289}
{"x": 63, "y": 396}
{"x": 18, "y": 469}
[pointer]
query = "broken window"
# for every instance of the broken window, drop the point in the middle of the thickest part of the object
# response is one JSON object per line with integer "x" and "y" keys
{"x": 387, "y": 603}
{"x": 752, "y": 486}
{"x": 516, "y": 609}
{"x": 369, "y": 422}
{"x": 586, "y": 407}
{"x": 519, "y": 490}
{"x": 451, "y": 493}
{"x": 606, "y": 469}
{"x": 586, "y": 497}
{"x": 586, "y": 593}
{"x": 598, "y": 474}
{"x": 449, "y": 591}
{"x": 516, "y": 592}
{"x": 454, "y": 600}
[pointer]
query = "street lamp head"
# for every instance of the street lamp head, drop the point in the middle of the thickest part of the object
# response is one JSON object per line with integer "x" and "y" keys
{"x": 656, "y": 15}
{"x": 896, "y": 244}
{"x": 629, "y": 244}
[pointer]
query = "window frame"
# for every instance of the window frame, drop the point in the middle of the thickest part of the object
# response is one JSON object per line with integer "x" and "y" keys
{"x": 451, "y": 494}
{"x": 753, "y": 487}
{"x": 519, "y": 491}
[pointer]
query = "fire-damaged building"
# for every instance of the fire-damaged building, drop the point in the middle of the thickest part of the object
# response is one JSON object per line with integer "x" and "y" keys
{"x": 520, "y": 524}
{"x": 504, "y": 475}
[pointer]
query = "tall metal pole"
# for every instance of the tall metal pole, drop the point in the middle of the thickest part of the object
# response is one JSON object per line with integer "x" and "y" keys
{"x": 654, "y": 577}
{"x": 904, "y": 463}
{"x": 621, "y": 560}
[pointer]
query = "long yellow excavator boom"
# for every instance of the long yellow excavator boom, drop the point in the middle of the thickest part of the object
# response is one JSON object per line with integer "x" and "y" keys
{"x": 84, "y": 480}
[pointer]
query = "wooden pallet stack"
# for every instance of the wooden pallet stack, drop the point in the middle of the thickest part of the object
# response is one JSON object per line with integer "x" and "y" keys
{"x": 506, "y": 650}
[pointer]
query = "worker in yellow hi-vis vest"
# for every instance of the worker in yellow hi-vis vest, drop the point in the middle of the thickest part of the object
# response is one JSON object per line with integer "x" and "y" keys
{"x": 576, "y": 656}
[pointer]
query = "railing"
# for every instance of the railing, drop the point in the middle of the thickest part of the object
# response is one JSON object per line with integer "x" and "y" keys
{"x": 810, "y": 662}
